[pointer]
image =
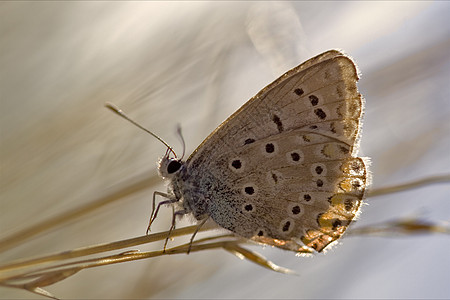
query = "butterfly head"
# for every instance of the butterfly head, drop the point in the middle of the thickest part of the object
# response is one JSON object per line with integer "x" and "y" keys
{"x": 169, "y": 167}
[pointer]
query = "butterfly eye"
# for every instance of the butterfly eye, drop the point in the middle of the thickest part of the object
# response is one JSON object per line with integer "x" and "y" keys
{"x": 173, "y": 166}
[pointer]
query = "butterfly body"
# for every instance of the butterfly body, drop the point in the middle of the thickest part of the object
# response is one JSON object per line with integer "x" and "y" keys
{"x": 282, "y": 170}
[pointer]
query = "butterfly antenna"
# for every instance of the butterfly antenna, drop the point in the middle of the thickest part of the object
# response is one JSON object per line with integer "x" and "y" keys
{"x": 182, "y": 139}
{"x": 123, "y": 115}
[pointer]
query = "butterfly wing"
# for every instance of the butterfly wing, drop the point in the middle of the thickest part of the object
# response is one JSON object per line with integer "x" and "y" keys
{"x": 283, "y": 170}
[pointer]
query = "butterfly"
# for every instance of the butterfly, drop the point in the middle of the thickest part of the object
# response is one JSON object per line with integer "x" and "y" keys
{"x": 283, "y": 169}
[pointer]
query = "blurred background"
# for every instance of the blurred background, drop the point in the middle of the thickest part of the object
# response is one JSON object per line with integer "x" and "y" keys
{"x": 194, "y": 64}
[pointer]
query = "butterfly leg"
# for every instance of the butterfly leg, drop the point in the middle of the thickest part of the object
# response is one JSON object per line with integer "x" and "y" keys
{"x": 195, "y": 233}
{"x": 155, "y": 212}
{"x": 172, "y": 227}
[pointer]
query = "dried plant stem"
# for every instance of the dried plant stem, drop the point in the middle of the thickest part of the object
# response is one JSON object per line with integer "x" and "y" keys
{"x": 100, "y": 248}
{"x": 32, "y": 276}
{"x": 34, "y": 279}
{"x": 410, "y": 185}
{"x": 405, "y": 226}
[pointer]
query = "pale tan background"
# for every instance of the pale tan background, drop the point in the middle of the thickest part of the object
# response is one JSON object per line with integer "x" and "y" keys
{"x": 194, "y": 64}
